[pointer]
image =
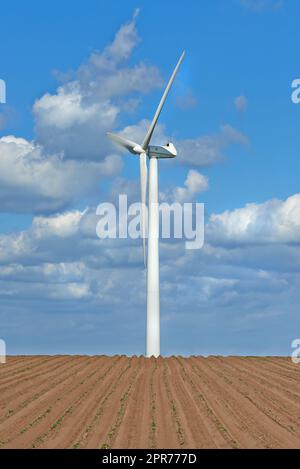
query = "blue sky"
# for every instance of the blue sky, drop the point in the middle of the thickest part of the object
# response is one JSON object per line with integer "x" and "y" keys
{"x": 75, "y": 71}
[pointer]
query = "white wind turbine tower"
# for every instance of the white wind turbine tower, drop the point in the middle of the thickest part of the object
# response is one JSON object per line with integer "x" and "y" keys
{"x": 153, "y": 153}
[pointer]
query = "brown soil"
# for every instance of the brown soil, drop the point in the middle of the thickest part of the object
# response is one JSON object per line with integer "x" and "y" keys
{"x": 121, "y": 402}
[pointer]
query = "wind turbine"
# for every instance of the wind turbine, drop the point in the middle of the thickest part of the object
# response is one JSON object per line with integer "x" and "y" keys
{"x": 153, "y": 153}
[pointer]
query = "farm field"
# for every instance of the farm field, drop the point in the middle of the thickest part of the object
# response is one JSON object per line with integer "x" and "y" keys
{"x": 121, "y": 402}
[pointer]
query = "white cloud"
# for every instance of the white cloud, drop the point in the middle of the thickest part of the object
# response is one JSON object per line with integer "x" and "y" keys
{"x": 63, "y": 225}
{"x": 34, "y": 181}
{"x": 194, "y": 184}
{"x": 74, "y": 119}
{"x": 70, "y": 237}
{"x": 273, "y": 221}
{"x": 120, "y": 49}
{"x": 71, "y": 155}
{"x": 59, "y": 259}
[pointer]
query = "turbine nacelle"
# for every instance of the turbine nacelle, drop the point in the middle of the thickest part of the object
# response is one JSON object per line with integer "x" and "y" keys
{"x": 152, "y": 151}
{"x": 166, "y": 151}
{"x": 157, "y": 151}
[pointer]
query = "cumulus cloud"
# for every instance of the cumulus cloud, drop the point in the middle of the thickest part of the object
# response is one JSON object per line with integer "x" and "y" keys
{"x": 71, "y": 236}
{"x": 60, "y": 258}
{"x": 250, "y": 262}
{"x": 273, "y": 221}
{"x": 194, "y": 184}
{"x": 74, "y": 119}
{"x": 121, "y": 47}
{"x": 34, "y": 181}
{"x": 70, "y": 155}
{"x": 65, "y": 237}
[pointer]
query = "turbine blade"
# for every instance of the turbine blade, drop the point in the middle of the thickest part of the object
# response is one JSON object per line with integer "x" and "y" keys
{"x": 143, "y": 180}
{"x": 161, "y": 104}
{"x": 124, "y": 142}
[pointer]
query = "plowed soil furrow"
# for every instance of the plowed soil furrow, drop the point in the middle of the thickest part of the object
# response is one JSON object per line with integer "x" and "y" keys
{"x": 94, "y": 435}
{"x": 125, "y": 406}
{"x": 24, "y": 370}
{"x": 275, "y": 403}
{"x": 35, "y": 390}
{"x": 221, "y": 437}
{"x": 284, "y": 364}
{"x": 34, "y": 372}
{"x": 229, "y": 416}
{"x": 79, "y": 417}
{"x": 165, "y": 433}
{"x": 61, "y": 413}
{"x": 152, "y": 440}
{"x": 268, "y": 433}
{"x": 282, "y": 381}
{"x": 136, "y": 430}
{"x": 122, "y": 402}
{"x": 192, "y": 421}
{"x": 176, "y": 414}
{"x": 12, "y": 361}
{"x": 288, "y": 392}
{"x": 274, "y": 369}
{"x": 38, "y": 415}
{"x": 7, "y": 391}
{"x": 33, "y": 411}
